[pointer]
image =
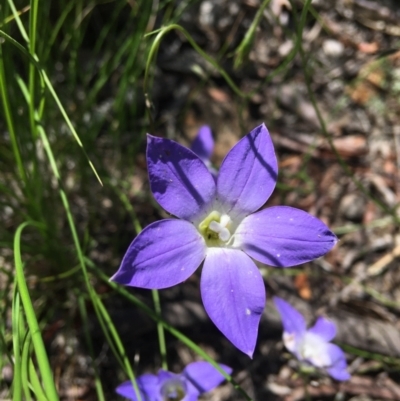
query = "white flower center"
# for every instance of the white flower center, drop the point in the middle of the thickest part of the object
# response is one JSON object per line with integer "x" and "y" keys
{"x": 216, "y": 229}
{"x": 173, "y": 390}
{"x": 314, "y": 350}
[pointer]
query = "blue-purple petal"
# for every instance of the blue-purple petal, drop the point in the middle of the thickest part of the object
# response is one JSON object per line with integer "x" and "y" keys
{"x": 324, "y": 328}
{"x": 339, "y": 371}
{"x": 338, "y": 368}
{"x": 148, "y": 386}
{"x": 283, "y": 236}
{"x": 179, "y": 180}
{"x": 248, "y": 174}
{"x": 233, "y": 294}
{"x": 191, "y": 396}
{"x": 203, "y": 376}
{"x": 164, "y": 375}
{"x": 292, "y": 320}
{"x": 164, "y": 254}
{"x": 203, "y": 144}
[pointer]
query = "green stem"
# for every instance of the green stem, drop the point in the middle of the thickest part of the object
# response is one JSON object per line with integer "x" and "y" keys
{"x": 32, "y": 45}
{"x": 26, "y": 348}
{"x": 36, "y": 385}
{"x": 16, "y": 317}
{"x": 160, "y": 330}
{"x": 97, "y": 381}
{"x": 306, "y": 379}
{"x": 243, "y": 50}
{"x": 10, "y": 122}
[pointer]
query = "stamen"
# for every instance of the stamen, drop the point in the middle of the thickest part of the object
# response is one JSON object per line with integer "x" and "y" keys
{"x": 173, "y": 390}
{"x": 225, "y": 220}
{"x": 219, "y": 228}
{"x": 215, "y": 229}
{"x": 224, "y": 234}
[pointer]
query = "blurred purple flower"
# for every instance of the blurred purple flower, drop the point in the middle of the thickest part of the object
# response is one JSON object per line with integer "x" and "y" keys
{"x": 218, "y": 225}
{"x": 313, "y": 345}
{"x": 197, "y": 378}
{"x": 203, "y": 143}
{"x": 203, "y": 146}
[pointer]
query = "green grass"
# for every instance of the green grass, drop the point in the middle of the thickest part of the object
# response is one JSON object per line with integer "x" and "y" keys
{"x": 51, "y": 154}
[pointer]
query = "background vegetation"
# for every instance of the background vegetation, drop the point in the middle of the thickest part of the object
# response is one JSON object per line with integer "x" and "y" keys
{"x": 83, "y": 81}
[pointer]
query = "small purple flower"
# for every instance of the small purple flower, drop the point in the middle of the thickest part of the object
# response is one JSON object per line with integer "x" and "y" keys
{"x": 197, "y": 378}
{"x": 312, "y": 346}
{"x": 203, "y": 143}
{"x": 203, "y": 146}
{"x": 219, "y": 225}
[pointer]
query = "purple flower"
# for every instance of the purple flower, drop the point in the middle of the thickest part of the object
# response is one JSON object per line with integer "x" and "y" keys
{"x": 313, "y": 345}
{"x": 197, "y": 378}
{"x": 203, "y": 146}
{"x": 219, "y": 225}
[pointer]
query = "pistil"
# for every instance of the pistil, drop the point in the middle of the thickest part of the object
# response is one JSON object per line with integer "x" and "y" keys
{"x": 215, "y": 229}
{"x": 173, "y": 390}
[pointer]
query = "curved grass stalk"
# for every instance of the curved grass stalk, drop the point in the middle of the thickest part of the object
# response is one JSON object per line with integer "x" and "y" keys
{"x": 37, "y": 340}
{"x": 36, "y": 385}
{"x": 160, "y": 33}
{"x": 243, "y": 50}
{"x": 24, "y": 366}
{"x": 16, "y": 318}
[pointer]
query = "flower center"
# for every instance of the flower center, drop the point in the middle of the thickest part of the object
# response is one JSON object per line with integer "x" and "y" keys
{"x": 173, "y": 390}
{"x": 315, "y": 350}
{"x": 215, "y": 229}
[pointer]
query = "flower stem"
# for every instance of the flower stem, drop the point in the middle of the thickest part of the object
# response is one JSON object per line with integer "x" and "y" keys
{"x": 306, "y": 380}
{"x": 160, "y": 330}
